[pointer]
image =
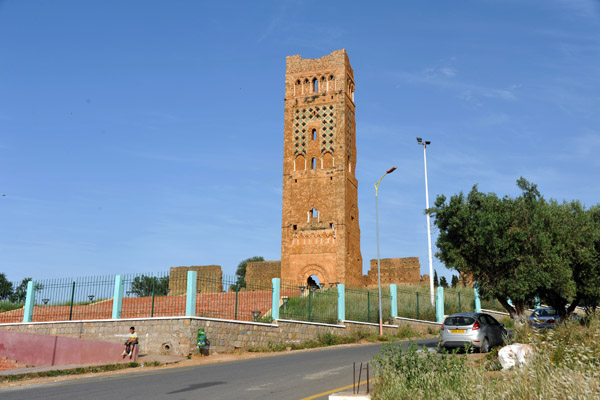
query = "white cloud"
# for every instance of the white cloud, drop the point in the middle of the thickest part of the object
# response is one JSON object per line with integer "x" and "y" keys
{"x": 448, "y": 71}
{"x": 444, "y": 78}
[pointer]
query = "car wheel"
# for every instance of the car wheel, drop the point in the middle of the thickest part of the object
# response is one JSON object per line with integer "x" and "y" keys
{"x": 485, "y": 346}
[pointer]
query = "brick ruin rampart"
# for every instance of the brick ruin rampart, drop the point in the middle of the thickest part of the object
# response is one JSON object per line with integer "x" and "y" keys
{"x": 260, "y": 273}
{"x": 405, "y": 271}
{"x": 210, "y": 279}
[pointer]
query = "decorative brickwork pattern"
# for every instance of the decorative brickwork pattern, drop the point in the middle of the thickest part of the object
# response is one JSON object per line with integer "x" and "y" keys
{"x": 320, "y": 231}
{"x": 350, "y": 132}
{"x": 325, "y": 115}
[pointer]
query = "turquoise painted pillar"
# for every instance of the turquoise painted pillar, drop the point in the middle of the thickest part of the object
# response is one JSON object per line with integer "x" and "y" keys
{"x": 29, "y": 302}
{"x": 394, "y": 300}
{"x": 537, "y": 301}
{"x": 190, "y": 297}
{"x": 477, "y": 299}
{"x": 439, "y": 305}
{"x": 509, "y": 301}
{"x": 341, "y": 302}
{"x": 118, "y": 297}
{"x": 276, "y": 285}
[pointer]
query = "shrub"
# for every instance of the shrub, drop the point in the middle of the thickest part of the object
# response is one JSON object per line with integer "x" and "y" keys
{"x": 565, "y": 365}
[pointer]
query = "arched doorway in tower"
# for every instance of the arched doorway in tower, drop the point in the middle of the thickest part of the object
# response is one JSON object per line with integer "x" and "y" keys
{"x": 313, "y": 281}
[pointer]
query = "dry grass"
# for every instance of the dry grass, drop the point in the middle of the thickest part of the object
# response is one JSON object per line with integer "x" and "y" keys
{"x": 566, "y": 365}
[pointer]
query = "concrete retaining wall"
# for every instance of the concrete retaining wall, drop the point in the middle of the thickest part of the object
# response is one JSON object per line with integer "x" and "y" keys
{"x": 418, "y": 325}
{"x": 43, "y": 350}
{"x": 177, "y": 335}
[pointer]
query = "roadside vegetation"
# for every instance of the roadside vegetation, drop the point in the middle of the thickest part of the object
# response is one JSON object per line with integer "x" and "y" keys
{"x": 76, "y": 371}
{"x": 362, "y": 304}
{"x": 565, "y": 365}
{"x": 332, "y": 339}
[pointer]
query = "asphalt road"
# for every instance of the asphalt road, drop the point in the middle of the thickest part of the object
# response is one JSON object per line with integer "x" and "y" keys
{"x": 293, "y": 376}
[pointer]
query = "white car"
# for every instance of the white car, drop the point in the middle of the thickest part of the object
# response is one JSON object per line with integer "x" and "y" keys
{"x": 482, "y": 331}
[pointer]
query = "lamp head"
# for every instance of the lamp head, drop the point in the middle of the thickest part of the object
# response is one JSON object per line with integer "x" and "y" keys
{"x": 389, "y": 171}
{"x": 419, "y": 140}
{"x": 427, "y": 143}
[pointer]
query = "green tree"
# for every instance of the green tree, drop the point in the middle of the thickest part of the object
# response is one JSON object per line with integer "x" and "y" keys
{"x": 20, "y": 292}
{"x": 240, "y": 272}
{"x": 436, "y": 282}
{"x": 577, "y": 236}
{"x": 507, "y": 245}
{"x": 443, "y": 282}
{"x": 454, "y": 281}
{"x": 6, "y": 287}
{"x": 142, "y": 286}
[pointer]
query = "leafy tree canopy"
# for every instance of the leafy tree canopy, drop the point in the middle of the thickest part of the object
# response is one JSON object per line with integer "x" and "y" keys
{"x": 144, "y": 286}
{"x": 443, "y": 282}
{"x": 6, "y": 287}
{"x": 519, "y": 247}
{"x": 241, "y": 271}
{"x": 454, "y": 281}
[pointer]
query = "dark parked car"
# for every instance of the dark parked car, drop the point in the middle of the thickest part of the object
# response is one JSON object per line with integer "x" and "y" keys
{"x": 482, "y": 331}
{"x": 546, "y": 317}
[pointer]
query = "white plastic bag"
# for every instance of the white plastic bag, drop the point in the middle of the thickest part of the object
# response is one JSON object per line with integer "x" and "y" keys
{"x": 515, "y": 354}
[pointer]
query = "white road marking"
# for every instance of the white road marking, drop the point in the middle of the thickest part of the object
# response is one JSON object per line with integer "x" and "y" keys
{"x": 326, "y": 373}
{"x": 260, "y": 387}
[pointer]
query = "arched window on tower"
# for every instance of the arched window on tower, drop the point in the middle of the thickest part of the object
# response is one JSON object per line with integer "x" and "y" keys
{"x": 315, "y": 85}
{"x": 313, "y": 214}
{"x": 314, "y": 134}
{"x": 314, "y": 163}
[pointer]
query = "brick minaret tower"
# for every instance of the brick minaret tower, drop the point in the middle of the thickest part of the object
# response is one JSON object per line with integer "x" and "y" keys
{"x": 319, "y": 232}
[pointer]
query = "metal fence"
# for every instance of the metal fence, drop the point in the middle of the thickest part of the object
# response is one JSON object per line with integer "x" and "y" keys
{"x": 12, "y": 300}
{"x": 458, "y": 300}
{"x": 221, "y": 296}
{"x": 363, "y": 304}
{"x": 308, "y": 303}
{"x": 153, "y": 295}
{"x": 227, "y": 298}
{"x": 415, "y": 302}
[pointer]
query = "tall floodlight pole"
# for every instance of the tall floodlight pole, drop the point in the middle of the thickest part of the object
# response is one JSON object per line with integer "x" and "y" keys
{"x": 389, "y": 171}
{"x": 425, "y": 144}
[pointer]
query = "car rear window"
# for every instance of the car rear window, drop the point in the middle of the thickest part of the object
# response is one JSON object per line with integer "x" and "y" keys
{"x": 459, "y": 321}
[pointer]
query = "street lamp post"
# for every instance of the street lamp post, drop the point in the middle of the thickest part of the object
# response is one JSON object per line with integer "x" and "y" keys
{"x": 425, "y": 144}
{"x": 389, "y": 171}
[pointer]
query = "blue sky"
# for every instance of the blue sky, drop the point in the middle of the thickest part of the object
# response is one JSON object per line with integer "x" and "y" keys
{"x": 140, "y": 135}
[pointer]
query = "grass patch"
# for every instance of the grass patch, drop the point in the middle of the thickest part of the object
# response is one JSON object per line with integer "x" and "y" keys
{"x": 565, "y": 365}
{"x": 9, "y": 306}
{"x": 71, "y": 371}
{"x": 362, "y": 304}
{"x": 332, "y": 339}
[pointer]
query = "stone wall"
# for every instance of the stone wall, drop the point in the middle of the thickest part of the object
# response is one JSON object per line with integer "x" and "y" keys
{"x": 259, "y": 274}
{"x": 178, "y": 335}
{"x": 405, "y": 270}
{"x": 418, "y": 325}
{"x": 210, "y": 279}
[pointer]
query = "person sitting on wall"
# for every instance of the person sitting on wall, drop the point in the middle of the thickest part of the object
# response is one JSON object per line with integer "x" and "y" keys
{"x": 131, "y": 341}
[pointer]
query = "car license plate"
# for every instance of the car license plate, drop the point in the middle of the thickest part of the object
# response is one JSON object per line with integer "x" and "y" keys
{"x": 457, "y": 331}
